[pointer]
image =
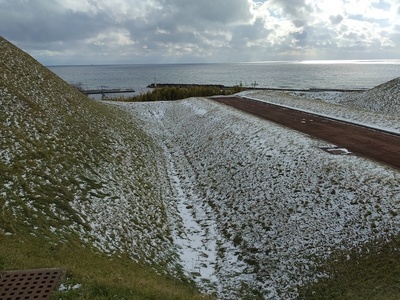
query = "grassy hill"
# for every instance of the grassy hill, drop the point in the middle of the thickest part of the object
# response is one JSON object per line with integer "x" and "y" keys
{"x": 105, "y": 193}
{"x": 78, "y": 190}
{"x": 384, "y": 98}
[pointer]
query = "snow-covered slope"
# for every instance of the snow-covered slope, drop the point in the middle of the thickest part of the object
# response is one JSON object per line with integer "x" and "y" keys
{"x": 384, "y": 98}
{"x": 379, "y": 106}
{"x": 256, "y": 206}
{"x": 70, "y": 165}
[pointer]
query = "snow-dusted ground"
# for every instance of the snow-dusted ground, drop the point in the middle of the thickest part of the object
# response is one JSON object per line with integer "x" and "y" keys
{"x": 253, "y": 206}
{"x": 249, "y": 206}
{"x": 329, "y": 104}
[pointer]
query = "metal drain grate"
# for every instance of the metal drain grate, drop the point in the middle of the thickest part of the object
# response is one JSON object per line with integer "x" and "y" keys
{"x": 336, "y": 150}
{"x": 28, "y": 284}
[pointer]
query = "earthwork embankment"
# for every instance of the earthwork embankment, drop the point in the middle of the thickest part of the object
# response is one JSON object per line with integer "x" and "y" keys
{"x": 375, "y": 144}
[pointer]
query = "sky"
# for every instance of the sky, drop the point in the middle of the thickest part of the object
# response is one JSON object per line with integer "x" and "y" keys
{"x": 59, "y": 32}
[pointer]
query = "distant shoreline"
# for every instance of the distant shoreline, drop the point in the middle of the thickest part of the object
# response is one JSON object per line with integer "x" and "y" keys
{"x": 153, "y": 85}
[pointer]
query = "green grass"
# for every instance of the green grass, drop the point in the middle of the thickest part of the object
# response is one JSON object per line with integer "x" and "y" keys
{"x": 372, "y": 272}
{"x": 165, "y": 93}
{"x": 100, "y": 276}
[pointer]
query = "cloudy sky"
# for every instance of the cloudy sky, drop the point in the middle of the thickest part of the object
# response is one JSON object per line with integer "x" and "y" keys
{"x": 177, "y": 31}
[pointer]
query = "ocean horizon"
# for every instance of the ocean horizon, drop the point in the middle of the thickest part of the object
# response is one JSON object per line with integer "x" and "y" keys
{"x": 306, "y": 74}
{"x": 305, "y": 61}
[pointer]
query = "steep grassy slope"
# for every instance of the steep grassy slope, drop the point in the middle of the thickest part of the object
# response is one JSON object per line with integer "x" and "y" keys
{"x": 79, "y": 179}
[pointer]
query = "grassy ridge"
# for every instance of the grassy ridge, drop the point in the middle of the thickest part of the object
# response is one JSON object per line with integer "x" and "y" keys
{"x": 77, "y": 192}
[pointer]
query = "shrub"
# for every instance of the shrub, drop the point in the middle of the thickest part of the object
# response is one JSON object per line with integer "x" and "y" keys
{"x": 176, "y": 92}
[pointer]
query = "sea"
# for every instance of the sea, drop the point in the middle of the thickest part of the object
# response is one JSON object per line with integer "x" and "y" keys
{"x": 362, "y": 74}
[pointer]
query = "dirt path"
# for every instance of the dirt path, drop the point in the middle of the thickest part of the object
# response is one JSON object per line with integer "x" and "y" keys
{"x": 374, "y": 144}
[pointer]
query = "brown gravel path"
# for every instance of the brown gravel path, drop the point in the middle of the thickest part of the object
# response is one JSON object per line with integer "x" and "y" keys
{"x": 375, "y": 144}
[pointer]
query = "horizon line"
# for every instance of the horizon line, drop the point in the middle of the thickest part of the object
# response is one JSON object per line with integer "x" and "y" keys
{"x": 306, "y": 61}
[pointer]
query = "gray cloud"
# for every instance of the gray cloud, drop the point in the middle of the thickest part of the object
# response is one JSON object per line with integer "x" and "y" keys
{"x": 250, "y": 32}
{"x": 90, "y": 31}
{"x": 336, "y": 19}
{"x": 214, "y": 11}
{"x": 395, "y": 37}
{"x": 44, "y": 22}
{"x": 301, "y": 37}
{"x": 297, "y": 9}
